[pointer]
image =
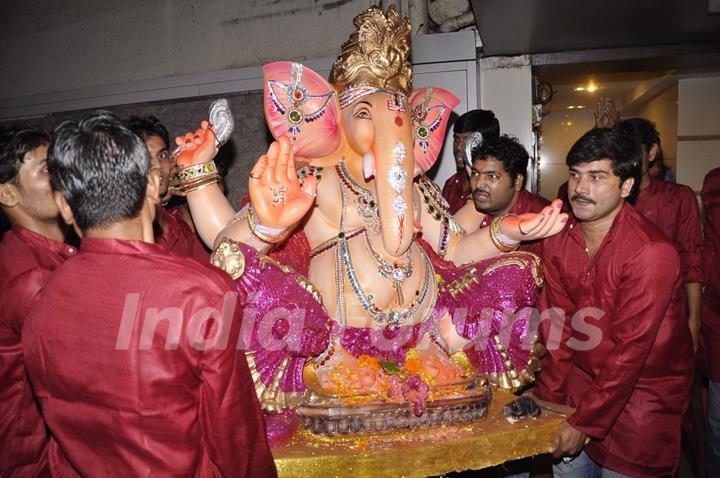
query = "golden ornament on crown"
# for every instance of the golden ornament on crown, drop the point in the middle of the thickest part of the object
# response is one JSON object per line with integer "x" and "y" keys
{"x": 376, "y": 55}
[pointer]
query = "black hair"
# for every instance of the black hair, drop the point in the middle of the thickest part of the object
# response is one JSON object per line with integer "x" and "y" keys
{"x": 148, "y": 126}
{"x": 481, "y": 121}
{"x": 641, "y": 130}
{"x": 15, "y": 143}
{"x": 508, "y": 150}
{"x": 101, "y": 168}
{"x": 604, "y": 143}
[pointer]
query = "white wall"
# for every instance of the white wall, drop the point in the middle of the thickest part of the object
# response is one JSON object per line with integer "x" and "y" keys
{"x": 560, "y": 130}
{"x": 506, "y": 89}
{"x": 698, "y": 129}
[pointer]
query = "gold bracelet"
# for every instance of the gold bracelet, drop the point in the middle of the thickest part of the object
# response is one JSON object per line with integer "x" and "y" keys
{"x": 496, "y": 231}
{"x": 197, "y": 171}
{"x": 190, "y": 186}
{"x": 267, "y": 238}
{"x": 201, "y": 185}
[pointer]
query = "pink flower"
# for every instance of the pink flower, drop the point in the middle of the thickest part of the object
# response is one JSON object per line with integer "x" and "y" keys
{"x": 415, "y": 390}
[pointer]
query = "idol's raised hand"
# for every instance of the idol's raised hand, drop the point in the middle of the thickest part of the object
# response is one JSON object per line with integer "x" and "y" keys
{"x": 196, "y": 147}
{"x": 278, "y": 198}
{"x": 533, "y": 226}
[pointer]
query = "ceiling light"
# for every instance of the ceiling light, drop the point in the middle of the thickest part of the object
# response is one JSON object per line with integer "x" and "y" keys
{"x": 580, "y": 88}
{"x": 591, "y": 88}
{"x": 580, "y": 107}
{"x": 570, "y": 107}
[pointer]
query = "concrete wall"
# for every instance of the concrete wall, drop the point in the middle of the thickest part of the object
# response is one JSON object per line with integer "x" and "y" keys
{"x": 50, "y": 45}
{"x": 250, "y": 138}
{"x": 663, "y": 111}
{"x": 170, "y": 58}
{"x": 698, "y": 129}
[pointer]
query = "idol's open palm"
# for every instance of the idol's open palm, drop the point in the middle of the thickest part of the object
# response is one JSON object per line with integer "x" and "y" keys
{"x": 533, "y": 226}
{"x": 278, "y": 198}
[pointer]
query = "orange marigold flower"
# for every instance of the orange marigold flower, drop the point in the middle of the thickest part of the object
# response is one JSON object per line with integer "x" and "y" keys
{"x": 369, "y": 362}
{"x": 412, "y": 365}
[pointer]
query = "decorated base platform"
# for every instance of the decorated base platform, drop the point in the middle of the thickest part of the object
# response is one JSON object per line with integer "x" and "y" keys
{"x": 422, "y": 452}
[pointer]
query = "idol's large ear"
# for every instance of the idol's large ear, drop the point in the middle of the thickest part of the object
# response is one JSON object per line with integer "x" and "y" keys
{"x": 431, "y": 109}
{"x": 301, "y": 103}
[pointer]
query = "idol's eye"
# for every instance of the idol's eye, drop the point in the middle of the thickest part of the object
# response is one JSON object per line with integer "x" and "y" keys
{"x": 362, "y": 113}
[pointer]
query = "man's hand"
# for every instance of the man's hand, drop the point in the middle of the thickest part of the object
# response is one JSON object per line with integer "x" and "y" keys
{"x": 694, "y": 323}
{"x": 694, "y": 299}
{"x": 568, "y": 441}
{"x": 607, "y": 114}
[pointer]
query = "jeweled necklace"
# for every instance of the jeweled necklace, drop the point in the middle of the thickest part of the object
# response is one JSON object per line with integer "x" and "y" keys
{"x": 396, "y": 272}
{"x": 391, "y": 319}
{"x": 365, "y": 203}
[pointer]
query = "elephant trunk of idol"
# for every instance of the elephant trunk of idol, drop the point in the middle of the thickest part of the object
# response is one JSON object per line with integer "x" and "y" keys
{"x": 394, "y": 166}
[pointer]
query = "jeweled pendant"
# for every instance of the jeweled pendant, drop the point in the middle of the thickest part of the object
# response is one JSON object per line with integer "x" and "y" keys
{"x": 295, "y": 116}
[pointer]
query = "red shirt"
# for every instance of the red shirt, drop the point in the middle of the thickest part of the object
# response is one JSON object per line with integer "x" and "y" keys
{"x": 627, "y": 372}
{"x": 453, "y": 192}
{"x": 674, "y": 209}
{"x": 26, "y": 260}
{"x": 179, "y": 238}
{"x": 710, "y": 337}
{"x": 127, "y": 394}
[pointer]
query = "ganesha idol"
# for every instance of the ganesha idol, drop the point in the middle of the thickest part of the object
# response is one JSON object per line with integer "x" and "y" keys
{"x": 369, "y": 305}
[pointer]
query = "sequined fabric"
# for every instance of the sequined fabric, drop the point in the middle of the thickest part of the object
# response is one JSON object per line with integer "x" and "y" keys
{"x": 386, "y": 344}
{"x": 281, "y": 320}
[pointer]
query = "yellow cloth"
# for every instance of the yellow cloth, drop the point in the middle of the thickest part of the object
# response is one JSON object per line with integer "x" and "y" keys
{"x": 423, "y": 452}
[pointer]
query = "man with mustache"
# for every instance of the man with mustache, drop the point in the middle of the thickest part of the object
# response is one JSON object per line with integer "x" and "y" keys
{"x": 457, "y": 189}
{"x": 497, "y": 178}
{"x": 619, "y": 348}
{"x": 171, "y": 228}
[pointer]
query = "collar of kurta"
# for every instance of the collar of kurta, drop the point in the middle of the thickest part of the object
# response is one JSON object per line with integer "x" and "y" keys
{"x": 575, "y": 231}
{"x": 40, "y": 242}
{"x": 119, "y": 246}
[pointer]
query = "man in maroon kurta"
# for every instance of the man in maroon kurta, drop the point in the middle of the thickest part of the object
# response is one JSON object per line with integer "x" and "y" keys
{"x": 674, "y": 209}
{"x": 171, "y": 227}
{"x": 710, "y": 332}
{"x": 456, "y": 190}
{"x": 29, "y": 252}
{"x": 619, "y": 347}
{"x": 177, "y": 236}
{"x": 132, "y": 351}
{"x": 497, "y": 179}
